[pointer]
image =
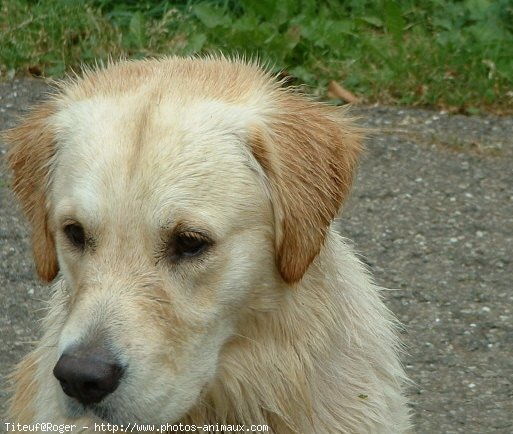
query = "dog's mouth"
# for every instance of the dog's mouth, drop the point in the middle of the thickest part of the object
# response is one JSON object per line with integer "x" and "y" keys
{"x": 75, "y": 409}
{"x": 103, "y": 413}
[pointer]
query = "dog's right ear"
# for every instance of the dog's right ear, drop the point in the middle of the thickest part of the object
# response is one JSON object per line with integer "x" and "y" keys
{"x": 30, "y": 159}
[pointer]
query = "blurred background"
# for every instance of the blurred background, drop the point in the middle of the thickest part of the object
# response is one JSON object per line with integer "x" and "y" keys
{"x": 452, "y": 55}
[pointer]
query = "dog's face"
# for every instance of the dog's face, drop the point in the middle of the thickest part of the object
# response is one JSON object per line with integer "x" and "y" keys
{"x": 176, "y": 198}
{"x": 162, "y": 230}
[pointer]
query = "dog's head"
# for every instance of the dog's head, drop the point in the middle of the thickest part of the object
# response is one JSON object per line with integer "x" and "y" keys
{"x": 176, "y": 197}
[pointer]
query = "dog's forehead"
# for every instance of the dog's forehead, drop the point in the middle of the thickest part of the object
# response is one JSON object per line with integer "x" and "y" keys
{"x": 159, "y": 151}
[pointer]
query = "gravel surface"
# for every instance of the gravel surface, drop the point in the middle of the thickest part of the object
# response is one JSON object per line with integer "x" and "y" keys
{"x": 432, "y": 215}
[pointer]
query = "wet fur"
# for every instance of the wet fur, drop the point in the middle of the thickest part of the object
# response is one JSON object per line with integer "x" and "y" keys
{"x": 310, "y": 348}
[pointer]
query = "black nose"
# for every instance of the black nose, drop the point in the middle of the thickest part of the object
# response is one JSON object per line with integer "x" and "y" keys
{"x": 88, "y": 374}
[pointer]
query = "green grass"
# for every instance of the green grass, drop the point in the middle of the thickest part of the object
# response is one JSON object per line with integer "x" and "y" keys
{"x": 456, "y": 55}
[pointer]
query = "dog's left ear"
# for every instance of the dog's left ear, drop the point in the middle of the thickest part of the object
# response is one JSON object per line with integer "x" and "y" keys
{"x": 309, "y": 153}
{"x": 30, "y": 159}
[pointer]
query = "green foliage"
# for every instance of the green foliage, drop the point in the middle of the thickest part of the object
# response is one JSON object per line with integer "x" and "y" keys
{"x": 452, "y": 53}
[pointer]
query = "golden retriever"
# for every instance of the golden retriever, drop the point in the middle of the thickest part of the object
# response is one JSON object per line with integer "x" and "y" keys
{"x": 183, "y": 209}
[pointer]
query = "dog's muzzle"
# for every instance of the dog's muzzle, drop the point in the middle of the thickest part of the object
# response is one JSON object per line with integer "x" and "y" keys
{"x": 88, "y": 374}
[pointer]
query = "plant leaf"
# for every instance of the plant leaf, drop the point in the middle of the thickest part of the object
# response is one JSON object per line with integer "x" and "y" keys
{"x": 394, "y": 20}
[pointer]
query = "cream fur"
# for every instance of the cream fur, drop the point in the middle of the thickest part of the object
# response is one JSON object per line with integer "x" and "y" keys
{"x": 278, "y": 324}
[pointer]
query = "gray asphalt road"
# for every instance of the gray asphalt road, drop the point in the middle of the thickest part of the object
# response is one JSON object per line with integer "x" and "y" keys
{"x": 432, "y": 215}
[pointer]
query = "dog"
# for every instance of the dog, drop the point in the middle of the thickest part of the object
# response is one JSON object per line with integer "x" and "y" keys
{"x": 183, "y": 208}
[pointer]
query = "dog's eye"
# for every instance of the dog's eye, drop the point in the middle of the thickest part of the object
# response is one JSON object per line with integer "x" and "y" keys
{"x": 75, "y": 234}
{"x": 186, "y": 245}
